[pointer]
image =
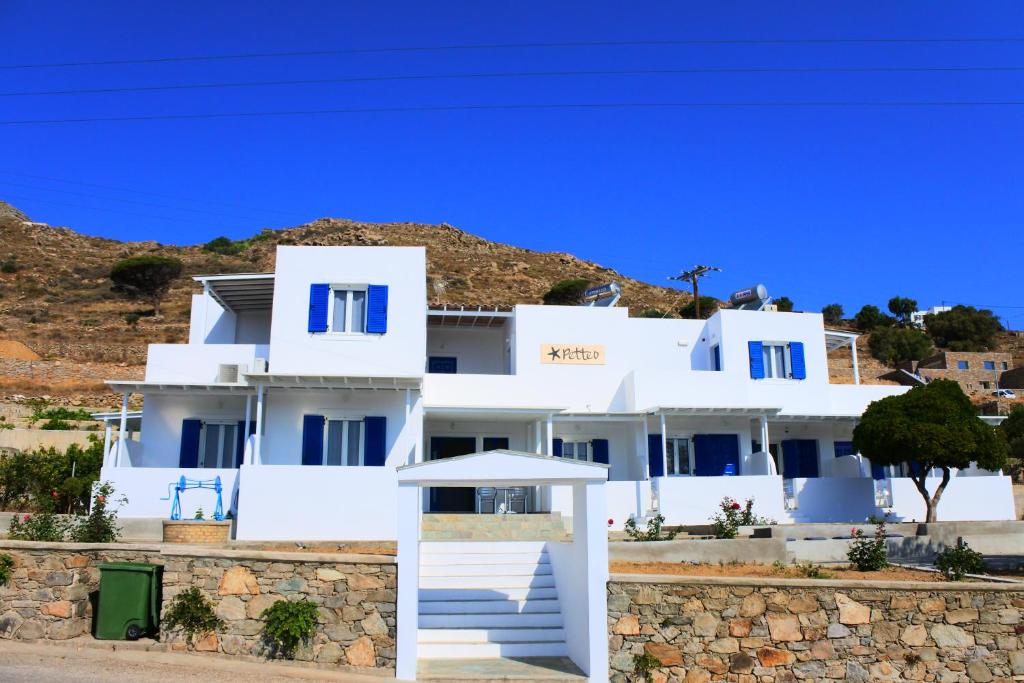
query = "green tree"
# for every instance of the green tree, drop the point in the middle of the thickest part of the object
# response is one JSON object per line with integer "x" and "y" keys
{"x": 708, "y": 306}
{"x": 784, "y": 304}
{"x": 566, "y": 292}
{"x": 650, "y": 313}
{"x": 833, "y": 314}
{"x": 930, "y": 427}
{"x": 869, "y": 317}
{"x": 146, "y": 277}
{"x": 224, "y": 245}
{"x": 902, "y": 307}
{"x": 964, "y": 328}
{"x": 1013, "y": 429}
{"x": 892, "y": 345}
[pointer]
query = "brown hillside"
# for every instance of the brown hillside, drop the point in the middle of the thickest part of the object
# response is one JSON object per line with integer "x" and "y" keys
{"x": 56, "y": 298}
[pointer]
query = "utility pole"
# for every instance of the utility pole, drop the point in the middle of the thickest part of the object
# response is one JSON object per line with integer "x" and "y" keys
{"x": 692, "y": 276}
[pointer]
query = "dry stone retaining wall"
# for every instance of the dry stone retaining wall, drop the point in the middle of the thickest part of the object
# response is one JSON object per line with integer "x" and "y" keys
{"x": 49, "y": 596}
{"x": 779, "y": 631}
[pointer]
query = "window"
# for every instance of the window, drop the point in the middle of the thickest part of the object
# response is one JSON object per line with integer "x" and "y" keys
{"x": 1005, "y": 365}
{"x": 344, "y": 443}
{"x": 989, "y": 364}
{"x": 679, "y": 457}
{"x": 347, "y": 310}
{"x": 984, "y": 385}
{"x": 963, "y": 365}
{"x": 217, "y": 445}
{"x": 578, "y": 450}
{"x": 775, "y": 361}
{"x": 446, "y": 365}
{"x": 716, "y": 358}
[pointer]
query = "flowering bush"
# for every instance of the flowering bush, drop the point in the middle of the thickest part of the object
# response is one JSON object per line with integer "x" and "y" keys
{"x": 654, "y": 530}
{"x": 868, "y": 554}
{"x": 42, "y": 526}
{"x": 731, "y": 516}
{"x": 100, "y": 526}
{"x": 956, "y": 562}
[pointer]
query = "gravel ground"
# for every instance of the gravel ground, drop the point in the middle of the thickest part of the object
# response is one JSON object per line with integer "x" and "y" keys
{"x": 30, "y": 663}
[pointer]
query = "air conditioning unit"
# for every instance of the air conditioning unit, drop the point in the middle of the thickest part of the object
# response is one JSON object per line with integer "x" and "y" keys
{"x": 227, "y": 373}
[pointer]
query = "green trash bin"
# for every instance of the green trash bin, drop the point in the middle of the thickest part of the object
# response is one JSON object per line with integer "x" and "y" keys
{"x": 129, "y": 602}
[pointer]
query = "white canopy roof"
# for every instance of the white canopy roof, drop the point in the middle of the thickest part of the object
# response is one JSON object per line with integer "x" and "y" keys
{"x": 501, "y": 468}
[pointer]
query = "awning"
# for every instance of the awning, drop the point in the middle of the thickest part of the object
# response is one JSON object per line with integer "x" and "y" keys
{"x": 133, "y": 422}
{"x": 179, "y": 388}
{"x": 493, "y": 413}
{"x": 715, "y": 411}
{"x": 372, "y": 382}
{"x": 240, "y": 292}
{"x": 837, "y": 339}
{"x": 467, "y": 317}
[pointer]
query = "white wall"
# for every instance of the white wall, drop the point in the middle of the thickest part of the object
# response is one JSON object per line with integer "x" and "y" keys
{"x": 284, "y": 503}
{"x": 147, "y": 487}
{"x": 399, "y": 352}
{"x": 693, "y": 500}
{"x": 162, "y": 415}
{"x": 282, "y": 433}
{"x": 209, "y": 323}
{"x": 479, "y": 350}
{"x": 197, "y": 363}
{"x": 832, "y": 499}
{"x": 965, "y": 499}
{"x": 253, "y": 327}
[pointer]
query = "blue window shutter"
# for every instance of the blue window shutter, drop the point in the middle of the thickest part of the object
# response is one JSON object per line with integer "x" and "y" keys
{"x": 312, "y": 439}
{"x": 600, "y": 448}
{"x": 756, "y": 350}
{"x": 188, "y": 456}
{"x": 240, "y": 441}
{"x": 843, "y": 448}
{"x": 655, "y": 456}
{"x": 318, "y": 295}
{"x": 377, "y": 309}
{"x": 556, "y": 448}
{"x": 877, "y": 472}
{"x": 375, "y": 450}
{"x": 796, "y": 360}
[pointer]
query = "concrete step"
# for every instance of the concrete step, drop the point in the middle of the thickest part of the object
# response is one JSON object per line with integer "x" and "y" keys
{"x": 497, "y": 569}
{"x": 490, "y": 620}
{"x": 450, "y": 559}
{"x": 491, "y": 635}
{"x": 493, "y": 582}
{"x": 485, "y": 650}
{"x": 497, "y": 670}
{"x": 485, "y": 594}
{"x": 450, "y": 547}
{"x": 493, "y": 607}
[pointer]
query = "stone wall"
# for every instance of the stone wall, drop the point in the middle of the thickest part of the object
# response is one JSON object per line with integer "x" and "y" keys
{"x": 49, "y": 596}
{"x": 779, "y": 630}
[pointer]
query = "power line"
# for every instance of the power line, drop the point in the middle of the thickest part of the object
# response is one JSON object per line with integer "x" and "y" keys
{"x": 536, "y": 107}
{"x": 142, "y": 192}
{"x": 512, "y": 74}
{"x": 516, "y": 46}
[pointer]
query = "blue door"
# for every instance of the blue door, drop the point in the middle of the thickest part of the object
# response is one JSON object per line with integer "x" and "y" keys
{"x": 713, "y": 453}
{"x": 452, "y": 498}
{"x": 443, "y": 365}
{"x": 800, "y": 458}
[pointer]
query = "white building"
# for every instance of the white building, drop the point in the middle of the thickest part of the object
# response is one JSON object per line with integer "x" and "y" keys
{"x": 917, "y": 317}
{"x": 306, "y": 389}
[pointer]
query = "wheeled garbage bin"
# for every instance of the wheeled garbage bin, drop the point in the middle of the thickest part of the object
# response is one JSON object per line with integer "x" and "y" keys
{"x": 129, "y": 602}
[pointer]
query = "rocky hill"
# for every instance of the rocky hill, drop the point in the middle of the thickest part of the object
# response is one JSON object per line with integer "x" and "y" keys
{"x": 56, "y": 297}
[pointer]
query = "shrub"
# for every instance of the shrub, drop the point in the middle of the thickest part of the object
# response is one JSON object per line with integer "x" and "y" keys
{"x": 9, "y": 266}
{"x": 192, "y": 612}
{"x": 708, "y": 306}
{"x": 783, "y": 304}
{"x": 100, "y": 526}
{"x": 868, "y": 554}
{"x": 833, "y": 314}
{"x": 653, "y": 532}
{"x": 646, "y": 663}
{"x": 651, "y": 313}
{"x": 809, "y": 570}
{"x": 869, "y": 317}
{"x": 566, "y": 292}
{"x": 28, "y": 479}
{"x": 731, "y": 516}
{"x": 964, "y": 328}
{"x": 57, "y": 425}
{"x": 289, "y": 624}
{"x": 902, "y": 307}
{"x": 224, "y": 245}
{"x": 6, "y": 565}
{"x": 957, "y": 562}
{"x": 892, "y": 345}
{"x": 42, "y": 526}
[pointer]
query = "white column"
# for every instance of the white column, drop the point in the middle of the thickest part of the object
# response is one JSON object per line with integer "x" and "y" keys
{"x": 417, "y": 455}
{"x": 122, "y": 430}
{"x": 655, "y": 483}
{"x": 551, "y": 436}
{"x": 645, "y": 447}
{"x": 407, "y": 608}
{"x": 107, "y": 431}
{"x": 591, "y": 531}
{"x": 248, "y": 414}
{"x": 764, "y": 433}
{"x": 537, "y": 443}
{"x": 853, "y": 354}
{"x": 257, "y": 456}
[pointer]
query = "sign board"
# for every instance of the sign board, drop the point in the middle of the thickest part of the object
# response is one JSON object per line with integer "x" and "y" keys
{"x": 572, "y": 354}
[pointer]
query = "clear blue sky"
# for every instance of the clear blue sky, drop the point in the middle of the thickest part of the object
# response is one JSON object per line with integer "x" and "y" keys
{"x": 847, "y": 204}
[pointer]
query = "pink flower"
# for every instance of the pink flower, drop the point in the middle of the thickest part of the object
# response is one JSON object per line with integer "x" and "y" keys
{"x": 25, "y": 519}
{"x": 54, "y": 494}
{"x": 735, "y": 505}
{"x": 610, "y": 521}
{"x": 101, "y": 499}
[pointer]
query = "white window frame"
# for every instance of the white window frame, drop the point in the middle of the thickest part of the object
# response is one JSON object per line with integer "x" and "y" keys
{"x": 575, "y": 440}
{"x": 349, "y": 289}
{"x": 770, "y": 371}
{"x": 345, "y": 421}
{"x": 201, "y": 459}
{"x": 672, "y": 449}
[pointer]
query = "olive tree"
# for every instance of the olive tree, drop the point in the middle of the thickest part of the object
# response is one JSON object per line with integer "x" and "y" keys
{"x": 146, "y": 277}
{"x": 930, "y": 427}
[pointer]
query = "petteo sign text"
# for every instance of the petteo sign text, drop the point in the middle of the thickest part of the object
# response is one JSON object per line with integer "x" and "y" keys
{"x": 572, "y": 354}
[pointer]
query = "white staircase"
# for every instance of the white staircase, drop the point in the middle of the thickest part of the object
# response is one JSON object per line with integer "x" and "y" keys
{"x": 484, "y": 599}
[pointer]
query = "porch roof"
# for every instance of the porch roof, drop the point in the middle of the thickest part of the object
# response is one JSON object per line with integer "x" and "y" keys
{"x": 837, "y": 339}
{"x": 133, "y": 387}
{"x": 716, "y": 411}
{"x": 133, "y": 418}
{"x": 501, "y": 468}
{"x": 500, "y": 413}
{"x": 241, "y": 291}
{"x": 301, "y": 381}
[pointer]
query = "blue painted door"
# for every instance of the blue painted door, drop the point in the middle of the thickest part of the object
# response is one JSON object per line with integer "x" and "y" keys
{"x": 799, "y": 458}
{"x": 443, "y": 365}
{"x": 712, "y": 453}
